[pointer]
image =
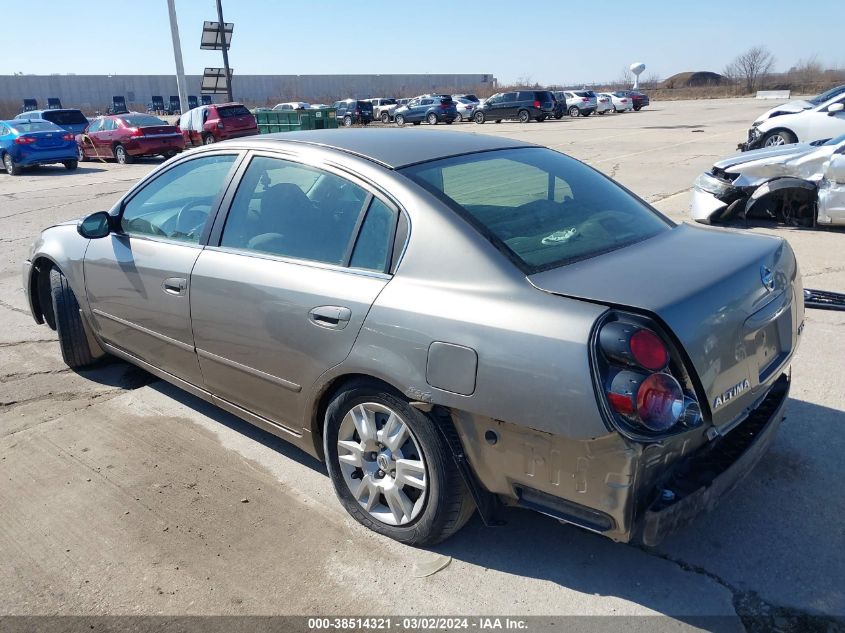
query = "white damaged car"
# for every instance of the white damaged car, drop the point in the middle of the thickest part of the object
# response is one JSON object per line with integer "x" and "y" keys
{"x": 798, "y": 105}
{"x": 824, "y": 121}
{"x": 800, "y": 184}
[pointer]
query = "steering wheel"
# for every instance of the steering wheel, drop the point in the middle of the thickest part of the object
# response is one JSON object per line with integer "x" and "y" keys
{"x": 190, "y": 218}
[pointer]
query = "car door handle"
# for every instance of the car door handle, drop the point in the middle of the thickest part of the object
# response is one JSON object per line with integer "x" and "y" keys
{"x": 175, "y": 285}
{"x": 335, "y": 317}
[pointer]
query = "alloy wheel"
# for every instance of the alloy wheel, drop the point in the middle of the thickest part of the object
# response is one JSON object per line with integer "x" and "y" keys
{"x": 382, "y": 464}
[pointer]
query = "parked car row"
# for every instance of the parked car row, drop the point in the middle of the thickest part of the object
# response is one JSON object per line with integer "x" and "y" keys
{"x": 67, "y": 136}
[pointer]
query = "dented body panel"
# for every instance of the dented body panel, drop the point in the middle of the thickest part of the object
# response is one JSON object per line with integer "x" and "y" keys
{"x": 781, "y": 183}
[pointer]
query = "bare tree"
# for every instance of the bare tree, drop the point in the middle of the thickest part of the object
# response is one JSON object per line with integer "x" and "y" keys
{"x": 807, "y": 73}
{"x": 625, "y": 79}
{"x": 750, "y": 67}
{"x": 651, "y": 81}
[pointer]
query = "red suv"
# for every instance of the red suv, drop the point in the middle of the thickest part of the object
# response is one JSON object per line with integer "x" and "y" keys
{"x": 125, "y": 136}
{"x": 217, "y": 122}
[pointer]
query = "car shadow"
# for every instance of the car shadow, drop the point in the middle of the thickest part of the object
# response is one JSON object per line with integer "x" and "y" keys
{"x": 776, "y": 534}
{"x": 59, "y": 170}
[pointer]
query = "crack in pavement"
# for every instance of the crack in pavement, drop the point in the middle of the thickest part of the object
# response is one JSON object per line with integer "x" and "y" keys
{"x": 758, "y": 615}
{"x": 34, "y": 340}
{"x": 8, "y": 306}
{"x": 29, "y": 374}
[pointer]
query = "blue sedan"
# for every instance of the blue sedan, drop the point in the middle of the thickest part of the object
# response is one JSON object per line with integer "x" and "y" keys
{"x": 26, "y": 143}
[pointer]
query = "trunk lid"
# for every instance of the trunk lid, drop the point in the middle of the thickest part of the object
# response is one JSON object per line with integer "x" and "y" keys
{"x": 709, "y": 287}
{"x": 159, "y": 130}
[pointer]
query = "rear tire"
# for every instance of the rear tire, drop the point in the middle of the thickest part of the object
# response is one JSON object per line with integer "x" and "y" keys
{"x": 637, "y": 108}
{"x": 430, "y": 511}
{"x": 122, "y": 156}
{"x": 523, "y": 116}
{"x": 70, "y": 165}
{"x": 431, "y": 119}
{"x": 81, "y": 157}
{"x": 72, "y": 339}
{"x": 574, "y": 111}
{"x": 12, "y": 168}
{"x": 385, "y": 118}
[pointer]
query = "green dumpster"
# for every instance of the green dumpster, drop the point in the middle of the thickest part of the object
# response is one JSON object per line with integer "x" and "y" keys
{"x": 294, "y": 120}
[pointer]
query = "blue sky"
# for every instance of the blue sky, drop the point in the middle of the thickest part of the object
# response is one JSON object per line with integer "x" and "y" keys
{"x": 549, "y": 41}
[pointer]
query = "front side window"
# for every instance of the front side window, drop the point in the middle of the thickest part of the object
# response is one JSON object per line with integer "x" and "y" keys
{"x": 176, "y": 205}
{"x": 509, "y": 97}
{"x": 291, "y": 210}
{"x": 542, "y": 208}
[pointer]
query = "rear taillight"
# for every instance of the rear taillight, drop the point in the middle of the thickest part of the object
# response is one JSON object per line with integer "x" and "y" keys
{"x": 357, "y": 112}
{"x": 220, "y": 125}
{"x": 644, "y": 383}
{"x": 584, "y": 99}
{"x": 68, "y": 137}
{"x": 134, "y": 132}
{"x": 536, "y": 104}
{"x": 24, "y": 140}
{"x": 444, "y": 106}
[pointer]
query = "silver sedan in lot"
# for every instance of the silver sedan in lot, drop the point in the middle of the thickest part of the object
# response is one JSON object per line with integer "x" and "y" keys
{"x": 453, "y": 322}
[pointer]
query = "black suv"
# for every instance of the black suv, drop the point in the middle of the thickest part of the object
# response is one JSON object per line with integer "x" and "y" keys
{"x": 522, "y": 105}
{"x": 350, "y": 111}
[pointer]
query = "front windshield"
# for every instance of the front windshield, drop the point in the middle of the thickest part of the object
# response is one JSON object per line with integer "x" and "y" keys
{"x": 827, "y": 94}
{"x": 836, "y": 141}
{"x": 542, "y": 208}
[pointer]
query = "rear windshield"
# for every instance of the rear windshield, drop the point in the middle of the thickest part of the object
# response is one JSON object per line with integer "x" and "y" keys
{"x": 228, "y": 112}
{"x": 542, "y": 208}
{"x": 364, "y": 105}
{"x": 142, "y": 120}
{"x": 65, "y": 117}
{"x": 584, "y": 93}
{"x": 34, "y": 126}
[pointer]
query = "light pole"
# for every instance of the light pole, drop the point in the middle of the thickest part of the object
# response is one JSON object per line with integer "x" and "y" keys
{"x": 225, "y": 51}
{"x": 181, "y": 86}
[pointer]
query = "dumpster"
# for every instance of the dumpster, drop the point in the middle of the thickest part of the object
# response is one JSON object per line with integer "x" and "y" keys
{"x": 272, "y": 121}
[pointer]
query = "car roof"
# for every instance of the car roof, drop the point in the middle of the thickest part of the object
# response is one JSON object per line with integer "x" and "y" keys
{"x": 394, "y": 148}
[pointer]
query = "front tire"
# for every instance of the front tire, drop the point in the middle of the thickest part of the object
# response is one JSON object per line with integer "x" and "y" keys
{"x": 208, "y": 139}
{"x": 779, "y": 137}
{"x": 400, "y": 120}
{"x": 81, "y": 157}
{"x": 479, "y": 118}
{"x": 70, "y": 165}
{"x": 392, "y": 468}
{"x": 72, "y": 339}
{"x": 347, "y": 121}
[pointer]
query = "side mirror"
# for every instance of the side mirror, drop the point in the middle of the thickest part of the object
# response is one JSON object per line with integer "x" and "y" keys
{"x": 95, "y": 226}
{"x": 835, "y": 109}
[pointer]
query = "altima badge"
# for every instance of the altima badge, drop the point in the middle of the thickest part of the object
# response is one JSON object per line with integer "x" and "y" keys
{"x": 731, "y": 393}
{"x": 768, "y": 278}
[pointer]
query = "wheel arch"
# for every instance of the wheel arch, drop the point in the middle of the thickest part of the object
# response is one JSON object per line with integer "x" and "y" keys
{"x": 325, "y": 394}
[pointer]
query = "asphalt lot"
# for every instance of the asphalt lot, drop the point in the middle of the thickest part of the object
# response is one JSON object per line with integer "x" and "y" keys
{"x": 122, "y": 495}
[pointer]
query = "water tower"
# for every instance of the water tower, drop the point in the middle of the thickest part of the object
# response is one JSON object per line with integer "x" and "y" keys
{"x": 637, "y": 68}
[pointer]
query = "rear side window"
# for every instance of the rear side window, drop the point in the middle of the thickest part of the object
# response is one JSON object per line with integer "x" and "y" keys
{"x": 65, "y": 117}
{"x": 372, "y": 248}
{"x": 540, "y": 207}
{"x": 232, "y": 111}
{"x": 292, "y": 210}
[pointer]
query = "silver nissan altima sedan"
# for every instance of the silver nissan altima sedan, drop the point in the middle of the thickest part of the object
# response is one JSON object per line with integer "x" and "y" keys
{"x": 454, "y": 322}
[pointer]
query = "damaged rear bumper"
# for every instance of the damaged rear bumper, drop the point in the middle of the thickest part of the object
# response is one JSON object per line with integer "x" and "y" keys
{"x": 698, "y": 482}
